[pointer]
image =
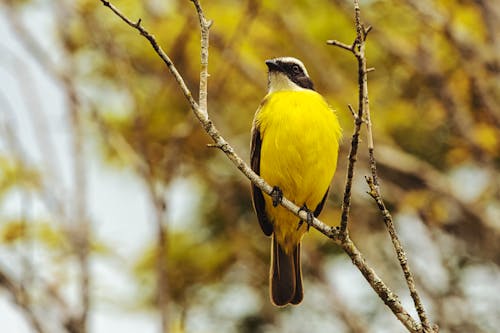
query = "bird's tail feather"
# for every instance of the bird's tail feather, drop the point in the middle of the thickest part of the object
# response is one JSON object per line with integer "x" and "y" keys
{"x": 285, "y": 275}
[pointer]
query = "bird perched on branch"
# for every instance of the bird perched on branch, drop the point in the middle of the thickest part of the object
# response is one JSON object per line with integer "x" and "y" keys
{"x": 295, "y": 141}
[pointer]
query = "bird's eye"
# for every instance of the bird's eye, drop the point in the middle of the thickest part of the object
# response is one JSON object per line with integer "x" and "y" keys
{"x": 296, "y": 69}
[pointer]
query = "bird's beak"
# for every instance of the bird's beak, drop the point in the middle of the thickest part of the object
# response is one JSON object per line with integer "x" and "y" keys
{"x": 272, "y": 65}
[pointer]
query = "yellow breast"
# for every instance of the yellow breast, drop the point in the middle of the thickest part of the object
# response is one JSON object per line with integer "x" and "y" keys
{"x": 300, "y": 138}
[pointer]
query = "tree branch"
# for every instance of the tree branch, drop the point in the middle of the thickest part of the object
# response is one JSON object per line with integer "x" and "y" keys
{"x": 340, "y": 237}
{"x": 22, "y": 300}
{"x": 205, "y": 28}
{"x": 358, "y": 49}
{"x": 162, "y": 283}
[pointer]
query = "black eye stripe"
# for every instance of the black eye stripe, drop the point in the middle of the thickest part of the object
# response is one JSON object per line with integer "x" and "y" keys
{"x": 296, "y": 74}
{"x": 294, "y": 68}
{"x": 291, "y": 68}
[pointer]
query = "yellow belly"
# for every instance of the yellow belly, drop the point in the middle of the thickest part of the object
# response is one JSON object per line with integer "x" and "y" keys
{"x": 300, "y": 138}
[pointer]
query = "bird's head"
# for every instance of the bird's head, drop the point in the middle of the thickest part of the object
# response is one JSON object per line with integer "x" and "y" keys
{"x": 287, "y": 74}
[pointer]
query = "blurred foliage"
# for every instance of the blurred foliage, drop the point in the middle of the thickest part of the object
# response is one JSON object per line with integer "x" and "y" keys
{"x": 435, "y": 101}
{"x": 189, "y": 262}
{"x": 14, "y": 173}
{"x": 47, "y": 233}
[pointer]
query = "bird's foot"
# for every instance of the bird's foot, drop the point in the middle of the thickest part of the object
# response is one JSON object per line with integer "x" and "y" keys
{"x": 276, "y": 195}
{"x": 309, "y": 219}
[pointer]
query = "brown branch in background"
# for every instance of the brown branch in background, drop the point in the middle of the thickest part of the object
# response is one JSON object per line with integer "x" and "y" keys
{"x": 139, "y": 161}
{"x": 358, "y": 49}
{"x": 79, "y": 232}
{"x": 18, "y": 291}
{"x": 162, "y": 288}
{"x": 22, "y": 300}
{"x": 344, "y": 241}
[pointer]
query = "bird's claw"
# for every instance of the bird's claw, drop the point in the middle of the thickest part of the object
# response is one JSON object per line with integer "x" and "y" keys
{"x": 309, "y": 219}
{"x": 276, "y": 195}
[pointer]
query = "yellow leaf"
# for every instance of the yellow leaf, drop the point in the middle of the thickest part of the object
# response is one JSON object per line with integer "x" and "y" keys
{"x": 13, "y": 231}
{"x": 486, "y": 136}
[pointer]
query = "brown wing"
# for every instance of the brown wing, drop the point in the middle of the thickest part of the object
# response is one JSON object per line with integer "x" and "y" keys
{"x": 257, "y": 196}
{"x": 319, "y": 207}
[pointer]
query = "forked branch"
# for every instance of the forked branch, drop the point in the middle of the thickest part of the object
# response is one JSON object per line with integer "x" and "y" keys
{"x": 363, "y": 115}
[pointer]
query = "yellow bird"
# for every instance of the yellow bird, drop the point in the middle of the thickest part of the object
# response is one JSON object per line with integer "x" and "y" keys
{"x": 295, "y": 142}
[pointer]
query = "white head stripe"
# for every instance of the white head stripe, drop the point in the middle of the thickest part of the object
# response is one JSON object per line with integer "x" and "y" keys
{"x": 295, "y": 61}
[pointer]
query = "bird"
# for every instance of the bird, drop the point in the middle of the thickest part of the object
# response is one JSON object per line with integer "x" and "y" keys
{"x": 294, "y": 147}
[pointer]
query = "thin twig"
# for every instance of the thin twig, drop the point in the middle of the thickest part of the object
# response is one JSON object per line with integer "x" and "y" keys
{"x": 358, "y": 50}
{"x": 358, "y": 120}
{"x": 346, "y": 47}
{"x": 401, "y": 254}
{"x": 353, "y": 152}
{"x": 346, "y": 202}
{"x": 353, "y": 112}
